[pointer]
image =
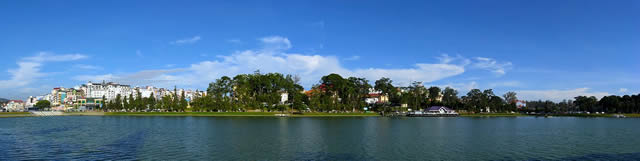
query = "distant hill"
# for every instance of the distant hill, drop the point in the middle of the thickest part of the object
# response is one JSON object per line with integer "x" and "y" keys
{"x": 4, "y": 100}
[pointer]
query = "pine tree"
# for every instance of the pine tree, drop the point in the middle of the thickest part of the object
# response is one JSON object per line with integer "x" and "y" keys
{"x": 151, "y": 102}
{"x": 132, "y": 105}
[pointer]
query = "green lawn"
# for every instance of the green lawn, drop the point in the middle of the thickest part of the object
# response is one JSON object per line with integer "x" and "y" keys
{"x": 14, "y": 114}
{"x": 335, "y": 114}
{"x": 491, "y": 114}
{"x": 632, "y": 115}
{"x": 231, "y": 114}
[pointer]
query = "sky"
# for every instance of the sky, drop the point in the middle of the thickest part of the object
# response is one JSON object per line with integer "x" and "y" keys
{"x": 543, "y": 49}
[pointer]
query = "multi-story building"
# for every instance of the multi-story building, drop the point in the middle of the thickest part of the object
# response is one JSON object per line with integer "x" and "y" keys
{"x": 31, "y": 101}
{"x": 14, "y": 105}
{"x": 108, "y": 90}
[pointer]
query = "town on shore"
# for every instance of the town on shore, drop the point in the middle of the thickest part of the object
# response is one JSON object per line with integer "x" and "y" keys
{"x": 276, "y": 92}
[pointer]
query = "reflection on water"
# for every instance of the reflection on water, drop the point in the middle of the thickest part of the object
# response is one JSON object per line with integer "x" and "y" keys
{"x": 349, "y": 138}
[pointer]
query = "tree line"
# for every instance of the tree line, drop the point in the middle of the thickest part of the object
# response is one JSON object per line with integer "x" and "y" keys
{"x": 171, "y": 102}
{"x": 607, "y": 104}
{"x": 333, "y": 92}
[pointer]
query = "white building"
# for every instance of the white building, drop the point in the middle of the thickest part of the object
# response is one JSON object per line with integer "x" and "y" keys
{"x": 15, "y": 105}
{"x": 108, "y": 90}
{"x": 284, "y": 97}
{"x": 31, "y": 101}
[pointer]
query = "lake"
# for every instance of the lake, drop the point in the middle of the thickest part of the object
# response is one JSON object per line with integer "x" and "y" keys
{"x": 318, "y": 138}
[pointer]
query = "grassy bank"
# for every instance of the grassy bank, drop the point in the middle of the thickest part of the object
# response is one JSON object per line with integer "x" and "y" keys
{"x": 314, "y": 114}
{"x": 15, "y": 114}
{"x": 492, "y": 114}
{"x": 554, "y": 115}
{"x": 263, "y": 114}
{"x": 632, "y": 115}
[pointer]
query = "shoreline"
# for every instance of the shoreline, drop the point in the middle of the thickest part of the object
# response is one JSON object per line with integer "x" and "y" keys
{"x": 273, "y": 114}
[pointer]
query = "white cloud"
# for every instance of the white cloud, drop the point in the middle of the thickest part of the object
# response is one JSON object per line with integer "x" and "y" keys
{"x": 187, "y": 40}
{"x": 50, "y": 57}
{"x": 275, "y": 43}
{"x": 558, "y": 95}
{"x": 622, "y": 90}
{"x": 28, "y": 70}
{"x": 26, "y": 73}
{"x": 492, "y": 65}
{"x": 272, "y": 57}
{"x": 446, "y": 59}
{"x": 421, "y": 72}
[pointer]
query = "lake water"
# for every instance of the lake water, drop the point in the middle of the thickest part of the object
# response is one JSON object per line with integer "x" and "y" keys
{"x": 327, "y": 138}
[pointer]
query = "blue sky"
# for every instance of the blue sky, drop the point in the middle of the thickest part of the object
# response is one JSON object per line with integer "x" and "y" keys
{"x": 541, "y": 49}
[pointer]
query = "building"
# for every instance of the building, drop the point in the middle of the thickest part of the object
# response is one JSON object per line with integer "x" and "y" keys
{"x": 284, "y": 97}
{"x": 376, "y": 97}
{"x": 440, "y": 110}
{"x": 14, "y": 106}
{"x": 31, "y": 101}
{"x": 108, "y": 90}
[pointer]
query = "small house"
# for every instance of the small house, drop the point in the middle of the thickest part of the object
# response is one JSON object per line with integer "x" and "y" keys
{"x": 440, "y": 110}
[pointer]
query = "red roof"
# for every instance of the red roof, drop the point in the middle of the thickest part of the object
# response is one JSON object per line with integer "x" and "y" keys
{"x": 19, "y": 101}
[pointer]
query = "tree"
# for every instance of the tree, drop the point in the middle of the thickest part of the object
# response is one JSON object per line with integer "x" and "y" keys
{"x": 118, "y": 102}
{"x": 418, "y": 95}
{"x": 334, "y": 87}
{"x": 450, "y": 98}
{"x": 474, "y": 100}
{"x": 585, "y": 103}
{"x": 386, "y": 86}
{"x": 151, "y": 102}
{"x": 183, "y": 102}
{"x": 510, "y": 97}
{"x": 434, "y": 93}
{"x": 131, "y": 103}
{"x": 139, "y": 102}
{"x": 43, "y": 104}
{"x": 357, "y": 89}
{"x": 612, "y": 104}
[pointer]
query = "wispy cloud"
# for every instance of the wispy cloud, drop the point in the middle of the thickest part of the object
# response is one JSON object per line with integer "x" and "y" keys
{"x": 492, "y": 65}
{"x": 272, "y": 57}
{"x": 51, "y": 57}
{"x": 275, "y": 43}
{"x": 29, "y": 69}
{"x": 186, "y": 40}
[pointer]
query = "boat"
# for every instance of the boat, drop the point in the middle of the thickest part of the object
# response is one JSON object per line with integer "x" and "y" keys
{"x": 282, "y": 115}
{"x": 619, "y": 116}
